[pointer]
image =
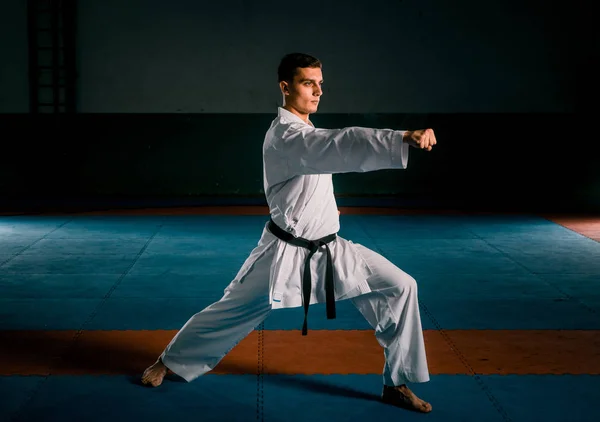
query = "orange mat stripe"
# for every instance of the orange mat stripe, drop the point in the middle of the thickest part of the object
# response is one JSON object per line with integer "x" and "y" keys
{"x": 529, "y": 351}
{"x": 587, "y": 225}
{"x": 321, "y": 352}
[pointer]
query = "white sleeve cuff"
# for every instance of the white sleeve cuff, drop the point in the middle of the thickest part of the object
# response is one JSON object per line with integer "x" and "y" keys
{"x": 399, "y": 151}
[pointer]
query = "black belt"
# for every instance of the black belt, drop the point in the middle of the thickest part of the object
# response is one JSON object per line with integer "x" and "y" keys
{"x": 312, "y": 246}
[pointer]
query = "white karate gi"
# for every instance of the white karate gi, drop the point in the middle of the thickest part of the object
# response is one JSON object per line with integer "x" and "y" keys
{"x": 299, "y": 161}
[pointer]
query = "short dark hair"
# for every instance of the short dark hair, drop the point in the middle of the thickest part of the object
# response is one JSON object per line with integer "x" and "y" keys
{"x": 290, "y": 62}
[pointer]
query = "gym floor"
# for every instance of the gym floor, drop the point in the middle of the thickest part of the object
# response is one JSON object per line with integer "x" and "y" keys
{"x": 510, "y": 306}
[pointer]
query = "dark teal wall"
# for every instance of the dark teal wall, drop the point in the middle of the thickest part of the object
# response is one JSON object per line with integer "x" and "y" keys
{"x": 503, "y": 160}
{"x": 501, "y": 79}
{"x": 379, "y": 56}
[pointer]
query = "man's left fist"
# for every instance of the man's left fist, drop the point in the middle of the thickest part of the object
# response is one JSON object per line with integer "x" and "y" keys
{"x": 422, "y": 138}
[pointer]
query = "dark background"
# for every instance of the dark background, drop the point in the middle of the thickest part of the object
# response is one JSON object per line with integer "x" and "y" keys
{"x": 173, "y": 100}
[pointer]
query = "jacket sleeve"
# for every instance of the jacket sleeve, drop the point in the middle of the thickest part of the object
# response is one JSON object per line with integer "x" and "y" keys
{"x": 308, "y": 150}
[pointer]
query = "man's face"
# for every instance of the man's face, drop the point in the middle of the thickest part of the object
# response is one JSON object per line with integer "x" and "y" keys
{"x": 305, "y": 91}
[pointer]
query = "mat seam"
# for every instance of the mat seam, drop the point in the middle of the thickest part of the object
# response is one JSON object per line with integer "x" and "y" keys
{"x": 539, "y": 276}
{"x": 558, "y": 288}
{"x": 486, "y": 390}
{"x": 30, "y": 245}
{"x": 17, "y": 415}
{"x": 260, "y": 398}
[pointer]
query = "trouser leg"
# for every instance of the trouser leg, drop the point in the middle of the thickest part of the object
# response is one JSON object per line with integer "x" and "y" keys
{"x": 210, "y": 334}
{"x": 392, "y": 309}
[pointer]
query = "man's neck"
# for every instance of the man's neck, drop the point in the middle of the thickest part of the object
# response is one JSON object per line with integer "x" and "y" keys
{"x": 292, "y": 110}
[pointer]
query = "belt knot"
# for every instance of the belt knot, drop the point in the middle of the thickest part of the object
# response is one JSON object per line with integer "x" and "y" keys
{"x": 313, "y": 246}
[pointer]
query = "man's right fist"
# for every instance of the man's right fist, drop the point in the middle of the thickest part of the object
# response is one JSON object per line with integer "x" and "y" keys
{"x": 422, "y": 138}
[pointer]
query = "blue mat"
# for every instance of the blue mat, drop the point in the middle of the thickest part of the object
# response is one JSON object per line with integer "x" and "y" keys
{"x": 14, "y": 392}
{"x": 547, "y": 398}
{"x": 31, "y": 286}
{"x": 355, "y": 398}
{"x": 512, "y": 313}
{"x": 45, "y": 314}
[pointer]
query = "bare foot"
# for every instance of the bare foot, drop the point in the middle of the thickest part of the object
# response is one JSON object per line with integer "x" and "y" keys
{"x": 154, "y": 374}
{"x": 402, "y": 397}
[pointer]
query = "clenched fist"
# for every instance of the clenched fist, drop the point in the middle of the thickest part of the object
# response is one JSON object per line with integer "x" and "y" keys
{"x": 422, "y": 138}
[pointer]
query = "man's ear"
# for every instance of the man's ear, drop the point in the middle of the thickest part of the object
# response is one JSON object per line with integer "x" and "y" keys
{"x": 284, "y": 87}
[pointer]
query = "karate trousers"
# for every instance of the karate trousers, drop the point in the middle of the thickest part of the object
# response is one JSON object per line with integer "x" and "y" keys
{"x": 391, "y": 308}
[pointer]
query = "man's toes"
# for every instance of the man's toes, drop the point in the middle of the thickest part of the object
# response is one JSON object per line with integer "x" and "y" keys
{"x": 421, "y": 405}
{"x": 153, "y": 381}
{"x": 426, "y": 407}
{"x": 156, "y": 382}
{"x": 152, "y": 377}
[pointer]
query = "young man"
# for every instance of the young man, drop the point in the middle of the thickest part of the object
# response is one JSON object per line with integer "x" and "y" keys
{"x": 299, "y": 259}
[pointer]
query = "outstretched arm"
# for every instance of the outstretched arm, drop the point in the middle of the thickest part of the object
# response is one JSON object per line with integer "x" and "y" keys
{"x": 308, "y": 150}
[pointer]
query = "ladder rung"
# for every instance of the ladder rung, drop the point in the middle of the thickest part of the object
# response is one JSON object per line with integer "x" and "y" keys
{"x": 60, "y": 47}
{"x": 51, "y": 86}
{"x": 60, "y": 78}
{"x": 51, "y": 104}
{"x": 51, "y": 67}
